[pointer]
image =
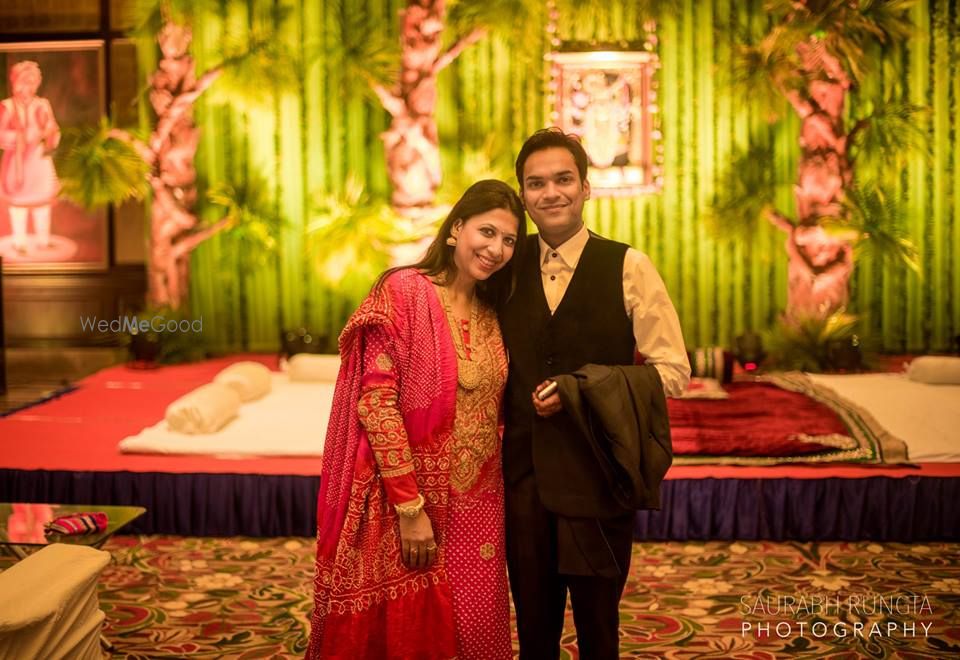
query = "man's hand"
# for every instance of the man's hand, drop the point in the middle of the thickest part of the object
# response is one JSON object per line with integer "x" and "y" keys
{"x": 550, "y": 405}
{"x": 418, "y": 548}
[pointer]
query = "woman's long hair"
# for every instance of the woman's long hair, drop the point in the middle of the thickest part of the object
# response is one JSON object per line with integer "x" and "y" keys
{"x": 482, "y": 196}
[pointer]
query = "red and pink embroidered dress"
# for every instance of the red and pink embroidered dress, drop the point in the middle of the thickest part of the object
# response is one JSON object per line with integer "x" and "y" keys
{"x": 402, "y": 425}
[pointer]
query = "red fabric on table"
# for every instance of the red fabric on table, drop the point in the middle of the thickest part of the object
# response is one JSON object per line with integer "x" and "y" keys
{"x": 759, "y": 419}
{"x": 80, "y": 430}
{"x": 77, "y": 524}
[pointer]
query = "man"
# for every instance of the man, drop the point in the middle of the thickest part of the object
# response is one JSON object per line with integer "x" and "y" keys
{"x": 579, "y": 299}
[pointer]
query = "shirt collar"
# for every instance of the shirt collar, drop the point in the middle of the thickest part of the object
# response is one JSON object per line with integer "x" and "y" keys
{"x": 569, "y": 251}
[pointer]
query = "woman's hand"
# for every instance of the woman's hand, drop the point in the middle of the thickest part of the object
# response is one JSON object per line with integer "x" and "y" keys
{"x": 418, "y": 548}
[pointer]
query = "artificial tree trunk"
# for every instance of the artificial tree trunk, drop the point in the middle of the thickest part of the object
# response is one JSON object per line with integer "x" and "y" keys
{"x": 411, "y": 143}
{"x": 820, "y": 263}
{"x": 170, "y": 151}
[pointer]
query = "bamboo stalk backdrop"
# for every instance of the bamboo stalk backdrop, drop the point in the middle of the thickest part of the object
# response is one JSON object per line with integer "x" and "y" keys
{"x": 307, "y": 143}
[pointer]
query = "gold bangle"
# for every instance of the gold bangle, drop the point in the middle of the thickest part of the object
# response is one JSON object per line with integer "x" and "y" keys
{"x": 411, "y": 510}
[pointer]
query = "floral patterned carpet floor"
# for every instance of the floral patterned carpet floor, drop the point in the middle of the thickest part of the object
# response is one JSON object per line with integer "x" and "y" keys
{"x": 168, "y": 597}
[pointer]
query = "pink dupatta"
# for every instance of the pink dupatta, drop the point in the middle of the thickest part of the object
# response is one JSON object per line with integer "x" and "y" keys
{"x": 366, "y": 603}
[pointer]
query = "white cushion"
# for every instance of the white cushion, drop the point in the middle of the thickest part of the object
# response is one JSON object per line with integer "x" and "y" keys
{"x": 935, "y": 370}
{"x": 204, "y": 410}
{"x": 251, "y": 380}
{"x": 309, "y": 367}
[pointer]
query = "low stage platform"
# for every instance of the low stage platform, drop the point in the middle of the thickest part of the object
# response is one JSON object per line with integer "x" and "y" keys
{"x": 65, "y": 450}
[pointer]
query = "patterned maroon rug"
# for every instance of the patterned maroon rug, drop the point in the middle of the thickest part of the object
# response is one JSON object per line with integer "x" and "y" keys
{"x": 174, "y": 597}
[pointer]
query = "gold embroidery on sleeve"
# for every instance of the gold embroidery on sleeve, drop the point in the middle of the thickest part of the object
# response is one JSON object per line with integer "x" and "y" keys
{"x": 385, "y": 431}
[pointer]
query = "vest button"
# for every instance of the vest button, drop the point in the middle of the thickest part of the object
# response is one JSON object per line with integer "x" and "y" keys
{"x": 549, "y": 361}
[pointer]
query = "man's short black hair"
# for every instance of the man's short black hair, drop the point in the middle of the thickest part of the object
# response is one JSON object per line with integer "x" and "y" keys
{"x": 547, "y": 138}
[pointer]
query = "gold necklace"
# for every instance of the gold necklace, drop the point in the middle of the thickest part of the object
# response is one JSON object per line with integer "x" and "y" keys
{"x": 468, "y": 371}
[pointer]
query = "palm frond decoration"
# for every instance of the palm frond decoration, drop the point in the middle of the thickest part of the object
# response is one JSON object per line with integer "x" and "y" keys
{"x": 883, "y": 139}
{"x": 877, "y": 219}
{"x": 806, "y": 344}
{"x": 351, "y": 235}
{"x": 97, "y": 168}
{"x": 891, "y": 18}
{"x": 359, "y": 49}
{"x": 745, "y": 195}
{"x": 584, "y": 12}
{"x": 254, "y": 65}
{"x": 174, "y": 347}
{"x": 150, "y": 15}
{"x": 839, "y": 28}
{"x": 777, "y": 9}
{"x": 764, "y": 71}
{"x": 842, "y": 31}
{"x": 491, "y": 159}
{"x": 846, "y": 29}
{"x": 253, "y": 221}
{"x": 506, "y": 17}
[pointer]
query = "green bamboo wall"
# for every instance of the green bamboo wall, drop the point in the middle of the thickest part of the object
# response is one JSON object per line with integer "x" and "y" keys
{"x": 307, "y": 143}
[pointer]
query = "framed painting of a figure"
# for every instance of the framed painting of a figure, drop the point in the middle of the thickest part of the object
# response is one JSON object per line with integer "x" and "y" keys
{"x": 46, "y": 88}
{"x": 608, "y": 99}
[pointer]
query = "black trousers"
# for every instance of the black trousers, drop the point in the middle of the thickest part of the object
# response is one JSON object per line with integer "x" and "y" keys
{"x": 548, "y": 556}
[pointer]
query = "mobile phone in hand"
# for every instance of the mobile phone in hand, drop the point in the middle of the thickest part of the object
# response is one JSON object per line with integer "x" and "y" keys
{"x": 545, "y": 393}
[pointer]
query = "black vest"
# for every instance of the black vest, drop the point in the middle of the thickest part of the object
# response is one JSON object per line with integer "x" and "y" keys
{"x": 589, "y": 326}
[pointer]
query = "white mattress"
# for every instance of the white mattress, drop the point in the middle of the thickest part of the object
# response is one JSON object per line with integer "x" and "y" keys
{"x": 925, "y": 417}
{"x": 289, "y": 421}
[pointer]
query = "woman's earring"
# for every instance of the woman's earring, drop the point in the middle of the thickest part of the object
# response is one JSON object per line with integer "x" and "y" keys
{"x": 452, "y": 241}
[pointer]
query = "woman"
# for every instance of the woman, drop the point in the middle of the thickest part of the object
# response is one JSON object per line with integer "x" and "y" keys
{"x": 410, "y": 542}
{"x": 28, "y": 134}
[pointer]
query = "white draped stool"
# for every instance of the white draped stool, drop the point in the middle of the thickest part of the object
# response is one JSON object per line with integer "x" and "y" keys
{"x": 49, "y": 606}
